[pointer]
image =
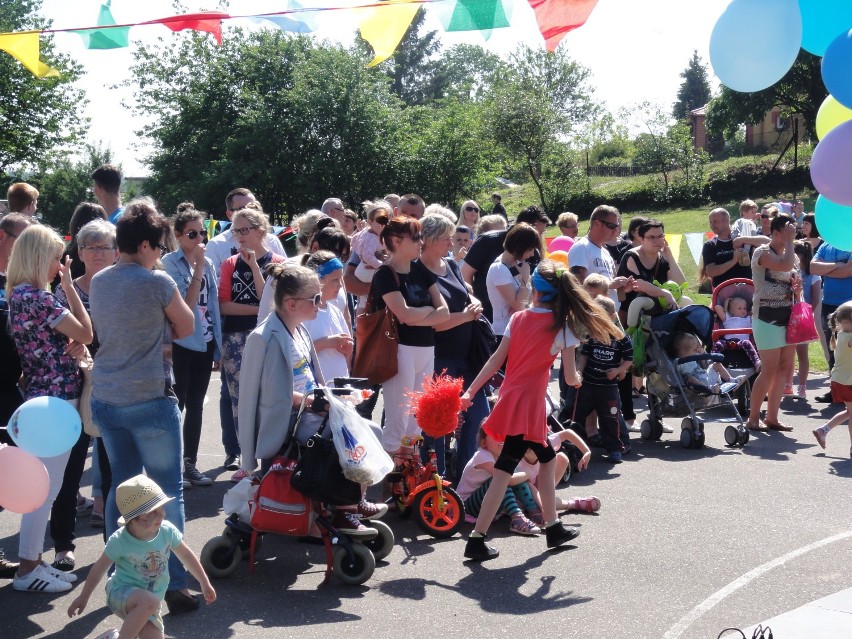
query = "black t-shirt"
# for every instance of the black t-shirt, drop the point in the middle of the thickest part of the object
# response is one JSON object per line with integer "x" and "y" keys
{"x": 485, "y": 249}
{"x": 414, "y": 287}
{"x": 500, "y": 210}
{"x": 243, "y": 292}
{"x": 659, "y": 272}
{"x": 455, "y": 342}
{"x": 604, "y": 357}
{"x": 10, "y": 370}
{"x": 718, "y": 251}
{"x": 618, "y": 250}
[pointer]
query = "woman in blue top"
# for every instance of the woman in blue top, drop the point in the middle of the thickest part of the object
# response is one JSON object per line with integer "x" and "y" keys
{"x": 193, "y": 356}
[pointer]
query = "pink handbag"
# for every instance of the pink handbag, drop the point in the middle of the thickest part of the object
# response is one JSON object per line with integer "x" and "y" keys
{"x": 801, "y": 328}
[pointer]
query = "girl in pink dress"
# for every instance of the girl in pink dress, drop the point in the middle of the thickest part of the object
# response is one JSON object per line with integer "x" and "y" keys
{"x": 561, "y": 309}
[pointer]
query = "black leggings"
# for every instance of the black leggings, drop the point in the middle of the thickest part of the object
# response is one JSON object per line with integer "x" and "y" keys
{"x": 63, "y": 514}
{"x": 192, "y": 376}
{"x": 514, "y": 449}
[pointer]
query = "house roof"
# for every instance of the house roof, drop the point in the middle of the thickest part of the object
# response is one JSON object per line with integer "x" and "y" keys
{"x": 699, "y": 111}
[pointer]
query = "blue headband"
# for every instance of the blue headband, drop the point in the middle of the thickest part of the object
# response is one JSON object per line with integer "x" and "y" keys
{"x": 546, "y": 289}
{"x": 329, "y": 267}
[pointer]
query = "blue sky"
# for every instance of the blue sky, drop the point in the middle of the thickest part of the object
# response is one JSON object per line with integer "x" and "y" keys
{"x": 635, "y": 49}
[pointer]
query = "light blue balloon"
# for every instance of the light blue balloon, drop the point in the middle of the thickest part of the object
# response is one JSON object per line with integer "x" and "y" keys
{"x": 740, "y": 60}
{"x": 834, "y": 222}
{"x": 837, "y": 68}
{"x": 822, "y": 22}
{"x": 45, "y": 426}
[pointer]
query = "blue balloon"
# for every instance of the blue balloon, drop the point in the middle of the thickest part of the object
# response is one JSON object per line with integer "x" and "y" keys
{"x": 834, "y": 222}
{"x": 837, "y": 68}
{"x": 739, "y": 59}
{"x": 45, "y": 426}
{"x": 822, "y": 22}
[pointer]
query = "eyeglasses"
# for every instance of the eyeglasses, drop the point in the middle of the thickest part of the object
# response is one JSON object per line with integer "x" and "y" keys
{"x": 316, "y": 299}
{"x": 163, "y": 249}
{"x": 243, "y": 231}
{"x": 765, "y": 216}
{"x": 471, "y": 208}
{"x": 610, "y": 225}
{"x": 98, "y": 249}
{"x": 193, "y": 234}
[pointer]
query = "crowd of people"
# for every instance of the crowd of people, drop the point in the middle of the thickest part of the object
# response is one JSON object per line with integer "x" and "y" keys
{"x": 154, "y": 307}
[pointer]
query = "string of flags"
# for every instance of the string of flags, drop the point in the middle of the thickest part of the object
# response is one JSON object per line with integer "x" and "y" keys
{"x": 382, "y": 24}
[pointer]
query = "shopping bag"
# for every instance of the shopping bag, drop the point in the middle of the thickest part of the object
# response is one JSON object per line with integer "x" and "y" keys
{"x": 236, "y": 500}
{"x": 801, "y": 327}
{"x": 277, "y": 506}
{"x": 360, "y": 453}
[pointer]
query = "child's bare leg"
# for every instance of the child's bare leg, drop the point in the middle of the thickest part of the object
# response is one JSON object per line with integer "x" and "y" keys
{"x": 140, "y": 605}
{"x": 492, "y": 501}
{"x": 150, "y": 631}
{"x": 723, "y": 372}
{"x": 547, "y": 491}
{"x": 561, "y": 464}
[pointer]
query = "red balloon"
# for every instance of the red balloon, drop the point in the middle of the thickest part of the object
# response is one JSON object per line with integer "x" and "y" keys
{"x": 24, "y": 481}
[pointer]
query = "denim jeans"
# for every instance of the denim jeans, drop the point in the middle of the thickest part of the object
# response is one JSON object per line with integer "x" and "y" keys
{"x": 145, "y": 436}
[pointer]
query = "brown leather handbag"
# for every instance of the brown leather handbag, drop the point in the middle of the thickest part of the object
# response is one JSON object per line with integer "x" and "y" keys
{"x": 376, "y": 342}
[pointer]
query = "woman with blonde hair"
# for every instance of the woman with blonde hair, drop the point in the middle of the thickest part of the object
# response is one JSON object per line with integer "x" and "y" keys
{"x": 50, "y": 340}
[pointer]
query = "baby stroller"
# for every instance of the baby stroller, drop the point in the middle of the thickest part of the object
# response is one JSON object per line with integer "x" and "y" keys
{"x": 669, "y": 395}
{"x": 351, "y": 559}
{"x": 736, "y": 360}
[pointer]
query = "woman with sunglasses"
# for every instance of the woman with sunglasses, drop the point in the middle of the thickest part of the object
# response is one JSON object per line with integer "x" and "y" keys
{"x": 193, "y": 356}
{"x": 409, "y": 290}
{"x": 240, "y": 288}
{"x": 469, "y": 216}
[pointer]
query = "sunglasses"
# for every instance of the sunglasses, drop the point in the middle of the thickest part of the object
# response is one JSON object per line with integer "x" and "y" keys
{"x": 193, "y": 234}
{"x": 471, "y": 208}
{"x": 610, "y": 225}
{"x": 316, "y": 299}
{"x": 244, "y": 231}
{"x": 765, "y": 216}
{"x": 163, "y": 249}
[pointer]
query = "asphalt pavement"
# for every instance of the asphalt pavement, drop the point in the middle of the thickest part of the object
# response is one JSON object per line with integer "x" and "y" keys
{"x": 687, "y": 543}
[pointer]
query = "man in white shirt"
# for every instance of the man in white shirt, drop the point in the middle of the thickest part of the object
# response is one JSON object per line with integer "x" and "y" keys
{"x": 590, "y": 252}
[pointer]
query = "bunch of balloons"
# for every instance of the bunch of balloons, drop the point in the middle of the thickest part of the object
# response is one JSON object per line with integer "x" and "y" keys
{"x": 821, "y": 27}
{"x": 41, "y": 427}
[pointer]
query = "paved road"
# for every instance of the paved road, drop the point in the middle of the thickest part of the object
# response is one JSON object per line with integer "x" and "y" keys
{"x": 687, "y": 543}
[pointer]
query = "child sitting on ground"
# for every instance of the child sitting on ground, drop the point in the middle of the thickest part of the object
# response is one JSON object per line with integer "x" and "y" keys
{"x": 476, "y": 478}
{"x": 699, "y": 373}
{"x": 736, "y": 314}
{"x": 530, "y": 465}
{"x": 140, "y": 551}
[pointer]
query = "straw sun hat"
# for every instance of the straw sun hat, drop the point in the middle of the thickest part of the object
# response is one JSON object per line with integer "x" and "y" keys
{"x": 137, "y": 496}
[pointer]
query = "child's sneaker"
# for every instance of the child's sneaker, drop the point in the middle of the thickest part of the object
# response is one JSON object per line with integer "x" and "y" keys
{"x": 788, "y": 389}
{"x": 370, "y": 510}
{"x": 348, "y": 523}
{"x": 803, "y": 391}
{"x": 478, "y": 550}
{"x": 557, "y": 534}
{"x": 40, "y": 580}
{"x": 194, "y": 476}
{"x": 819, "y": 433}
{"x": 522, "y": 526}
{"x": 240, "y": 475}
{"x": 112, "y": 633}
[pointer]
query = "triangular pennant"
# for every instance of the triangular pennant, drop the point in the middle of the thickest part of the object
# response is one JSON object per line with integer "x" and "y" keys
{"x": 674, "y": 244}
{"x": 477, "y": 15}
{"x": 207, "y": 21}
{"x": 383, "y": 27}
{"x": 116, "y": 38}
{"x": 24, "y": 47}
{"x": 556, "y": 18}
{"x": 695, "y": 242}
{"x": 298, "y": 22}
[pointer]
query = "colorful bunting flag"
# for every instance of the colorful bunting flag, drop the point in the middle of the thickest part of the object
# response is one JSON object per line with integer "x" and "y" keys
{"x": 24, "y": 47}
{"x": 695, "y": 242}
{"x": 556, "y": 18}
{"x": 477, "y": 15}
{"x": 383, "y": 27}
{"x": 207, "y": 21}
{"x": 297, "y": 23}
{"x": 674, "y": 244}
{"x": 115, "y": 38}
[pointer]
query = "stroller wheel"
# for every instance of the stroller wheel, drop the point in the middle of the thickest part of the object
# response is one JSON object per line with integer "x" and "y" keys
{"x": 744, "y": 436}
{"x": 435, "y": 519}
{"x": 382, "y": 544}
{"x": 656, "y": 430}
{"x": 244, "y": 541}
{"x": 355, "y": 571}
{"x": 646, "y": 430}
{"x": 732, "y": 436}
{"x": 687, "y": 439}
{"x": 699, "y": 439}
{"x": 221, "y": 556}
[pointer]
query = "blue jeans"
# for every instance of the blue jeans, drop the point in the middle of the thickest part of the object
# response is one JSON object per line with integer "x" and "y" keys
{"x": 466, "y": 445}
{"x": 145, "y": 436}
{"x": 226, "y": 418}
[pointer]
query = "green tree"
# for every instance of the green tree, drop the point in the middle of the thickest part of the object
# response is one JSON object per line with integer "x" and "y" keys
{"x": 800, "y": 91}
{"x": 464, "y": 72}
{"x": 536, "y": 104}
{"x": 694, "y": 91}
{"x": 36, "y": 115}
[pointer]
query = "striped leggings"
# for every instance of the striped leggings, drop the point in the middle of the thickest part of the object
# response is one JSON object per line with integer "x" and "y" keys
{"x": 516, "y": 500}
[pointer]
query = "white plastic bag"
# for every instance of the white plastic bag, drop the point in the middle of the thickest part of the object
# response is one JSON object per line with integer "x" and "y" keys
{"x": 236, "y": 500}
{"x": 362, "y": 457}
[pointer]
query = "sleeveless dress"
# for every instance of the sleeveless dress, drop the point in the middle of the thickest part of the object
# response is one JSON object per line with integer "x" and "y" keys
{"x": 520, "y": 408}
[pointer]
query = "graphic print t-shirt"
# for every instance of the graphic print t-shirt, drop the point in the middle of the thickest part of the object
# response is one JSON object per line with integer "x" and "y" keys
{"x": 605, "y": 357}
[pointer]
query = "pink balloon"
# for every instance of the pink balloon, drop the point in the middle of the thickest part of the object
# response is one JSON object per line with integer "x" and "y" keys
{"x": 23, "y": 480}
{"x": 561, "y": 243}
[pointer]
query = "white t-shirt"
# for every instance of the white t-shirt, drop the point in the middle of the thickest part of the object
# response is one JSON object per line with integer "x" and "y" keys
{"x": 736, "y": 322}
{"x": 595, "y": 259}
{"x": 473, "y": 477}
{"x": 329, "y": 321}
{"x": 500, "y": 275}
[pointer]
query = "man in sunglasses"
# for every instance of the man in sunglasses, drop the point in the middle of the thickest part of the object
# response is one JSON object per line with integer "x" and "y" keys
{"x": 333, "y": 208}
{"x": 591, "y": 253}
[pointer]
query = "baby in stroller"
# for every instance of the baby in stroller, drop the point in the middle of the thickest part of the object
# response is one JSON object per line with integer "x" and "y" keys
{"x": 694, "y": 373}
{"x": 733, "y": 314}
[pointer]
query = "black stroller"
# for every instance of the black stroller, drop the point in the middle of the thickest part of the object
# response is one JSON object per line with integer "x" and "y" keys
{"x": 668, "y": 393}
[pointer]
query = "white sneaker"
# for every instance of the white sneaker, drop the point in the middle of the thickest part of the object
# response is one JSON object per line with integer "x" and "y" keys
{"x": 667, "y": 429}
{"x": 70, "y": 577}
{"x": 633, "y": 427}
{"x": 40, "y": 580}
{"x": 112, "y": 633}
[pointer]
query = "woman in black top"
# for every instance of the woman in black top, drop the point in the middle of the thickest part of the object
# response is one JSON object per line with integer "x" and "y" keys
{"x": 408, "y": 288}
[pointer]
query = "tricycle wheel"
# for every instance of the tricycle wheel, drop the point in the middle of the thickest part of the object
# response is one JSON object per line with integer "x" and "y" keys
{"x": 435, "y": 519}
{"x": 355, "y": 571}
{"x": 221, "y": 556}
{"x": 382, "y": 544}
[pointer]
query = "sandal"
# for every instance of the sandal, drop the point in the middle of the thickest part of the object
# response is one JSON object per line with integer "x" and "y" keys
{"x": 536, "y": 517}
{"x": 757, "y": 427}
{"x": 583, "y": 505}
{"x": 522, "y": 526}
{"x": 777, "y": 426}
